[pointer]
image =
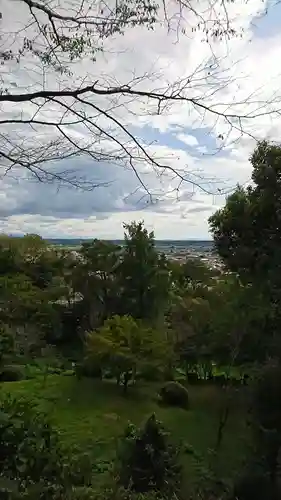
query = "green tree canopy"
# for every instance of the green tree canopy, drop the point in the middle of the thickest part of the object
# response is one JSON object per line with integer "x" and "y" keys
{"x": 247, "y": 230}
{"x": 247, "y": 234}
{"x": 126, "y": 346}
{"x": 143, "y": 274}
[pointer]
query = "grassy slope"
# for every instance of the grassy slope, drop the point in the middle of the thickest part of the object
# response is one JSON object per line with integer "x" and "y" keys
{"x": 91, "y": 415}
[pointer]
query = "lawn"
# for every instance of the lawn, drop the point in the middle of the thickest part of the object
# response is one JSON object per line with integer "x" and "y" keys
{"x": 90, "y": 415}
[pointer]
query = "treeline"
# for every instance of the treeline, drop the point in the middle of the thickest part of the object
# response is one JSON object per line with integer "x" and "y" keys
{"x": 188, "y": 314}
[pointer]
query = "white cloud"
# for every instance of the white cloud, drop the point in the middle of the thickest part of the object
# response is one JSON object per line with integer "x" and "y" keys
{"x": 247, "y": 67}
{"x": 188, "y": 139}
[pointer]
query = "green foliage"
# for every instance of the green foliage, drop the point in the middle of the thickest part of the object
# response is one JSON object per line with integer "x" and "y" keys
{"x": 247, "y": 235}
{"x": 30, "y": 458}
{"x": 191, "y": 274}
{"x": 261, "y": 478}
{"x": 143, "y": 275}
{"x": 246, "y": 230}
{"x": 89, "y": 416}
{"x": 147, "y": 461}
{"x": 174, "y": 394}
{"x": 95, "y": 279}
{"x": 126, "y": 347}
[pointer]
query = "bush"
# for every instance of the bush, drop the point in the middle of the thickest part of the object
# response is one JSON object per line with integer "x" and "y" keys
{"x": 147, "y": 462}
{"x": 174, "y": 394}
{"x": 29, "y": 453}
{"x": 12, "y": 373}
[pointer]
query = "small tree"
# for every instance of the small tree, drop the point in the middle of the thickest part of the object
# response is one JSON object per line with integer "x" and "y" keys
{"x": 147, "y": 462}
{"x": 126, "y": 346}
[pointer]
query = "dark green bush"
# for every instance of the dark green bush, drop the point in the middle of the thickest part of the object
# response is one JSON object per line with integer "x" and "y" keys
{"x": 30, "y": 457}
{"x": 12, "y": 373}
{"x": 174, "y": 394}
{"x": 147, "y": 461}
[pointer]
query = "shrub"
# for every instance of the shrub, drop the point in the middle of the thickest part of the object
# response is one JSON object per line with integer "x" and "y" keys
{"x": 12, "y": 373}
{"x": 29, "y": 453}
{"x": 147, "y": 462}
{"x": 174, "y": 394}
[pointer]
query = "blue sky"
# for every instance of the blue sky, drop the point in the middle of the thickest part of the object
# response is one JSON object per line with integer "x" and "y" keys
{"x": 268, "y": 25}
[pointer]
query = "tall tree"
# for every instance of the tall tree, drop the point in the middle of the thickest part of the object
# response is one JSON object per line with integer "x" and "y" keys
{"x": 247, "y": 231}
{"x": 143, "y": 274}
{"x": 94, "y": 277}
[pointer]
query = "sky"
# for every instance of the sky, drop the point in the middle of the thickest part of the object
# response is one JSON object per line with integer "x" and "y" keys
{"x": 239, "y": 76}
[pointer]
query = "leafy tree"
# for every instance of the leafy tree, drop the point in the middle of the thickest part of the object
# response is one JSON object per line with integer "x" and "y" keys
{"x": 147, "y": 461}
{"x": 28, "y": 311}
{"x": 247, "y": 233}
{"x": 247, "y": 230}
{"x": 94, "y": 277}
{"x": 193, "y": 273}
{"x": 126, "y": 347}
{"x": 143, "y": 275}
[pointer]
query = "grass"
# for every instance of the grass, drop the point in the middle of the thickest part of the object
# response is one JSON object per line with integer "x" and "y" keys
{"x": 90, "y": 416}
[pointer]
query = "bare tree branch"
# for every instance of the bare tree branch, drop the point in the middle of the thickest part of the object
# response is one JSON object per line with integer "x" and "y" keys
{"x": 75, "y": 117}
